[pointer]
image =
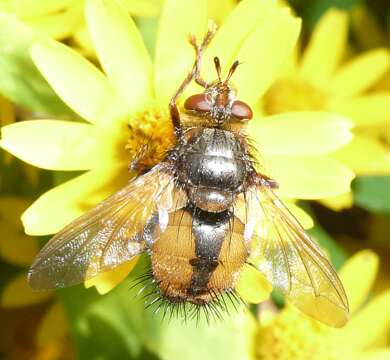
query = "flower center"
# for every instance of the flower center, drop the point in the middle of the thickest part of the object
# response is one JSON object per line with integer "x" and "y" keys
{"x": 151, "y": 136}
{"x": 293, "y": 94}
{"x": 291, "y": 336}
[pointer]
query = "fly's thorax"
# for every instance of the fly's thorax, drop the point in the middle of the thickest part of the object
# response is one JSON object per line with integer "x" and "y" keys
{"x": 201, "y": 261}
{"x": 212, "y": 167}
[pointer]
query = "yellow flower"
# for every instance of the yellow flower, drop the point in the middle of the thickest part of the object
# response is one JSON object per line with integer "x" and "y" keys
{"x": 291, "y": 335}
{"x": 318, "y": 80}
{"x": 367, "y": 30}
{"x": 219, "y": 10}
{"x": 129, "y": 103}
{"x": 64, "y": 19}
{"x": 18, "y": 249}
{"x": 8, "y": 116}
{"x": 369, "y": 34}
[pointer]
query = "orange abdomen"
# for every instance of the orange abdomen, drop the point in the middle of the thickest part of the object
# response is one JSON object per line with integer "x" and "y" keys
{"x": 198, "y": 258}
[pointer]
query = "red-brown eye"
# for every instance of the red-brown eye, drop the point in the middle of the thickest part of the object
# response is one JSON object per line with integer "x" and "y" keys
{"x": 198, "y": 102}
{"x": 241, "y": 111}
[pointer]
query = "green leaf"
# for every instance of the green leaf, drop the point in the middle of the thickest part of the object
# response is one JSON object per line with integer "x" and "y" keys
{"x": 372, "y": 193}
{"x": 111, "y": 326}
{"x": 117, "y": 326}
{"x": 229, "y": 338}
{"x": 20, "y": 81}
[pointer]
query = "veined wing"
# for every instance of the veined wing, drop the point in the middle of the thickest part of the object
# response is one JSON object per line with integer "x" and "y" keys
{"x": 110, "y": 234}
{"x": 291, "y": 260}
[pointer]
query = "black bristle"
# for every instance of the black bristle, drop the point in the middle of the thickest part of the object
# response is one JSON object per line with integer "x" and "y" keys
{"x": 153, "y": 296}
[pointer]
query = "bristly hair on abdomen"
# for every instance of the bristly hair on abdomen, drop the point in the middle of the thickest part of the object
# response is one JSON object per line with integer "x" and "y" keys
{"x": 147, "y": 288}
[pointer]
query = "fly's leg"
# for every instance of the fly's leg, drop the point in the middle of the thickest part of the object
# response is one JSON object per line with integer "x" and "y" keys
{"x": 267, "y": 181}
{"x": 199, "y": 52}
{"x": 193, "y": 75}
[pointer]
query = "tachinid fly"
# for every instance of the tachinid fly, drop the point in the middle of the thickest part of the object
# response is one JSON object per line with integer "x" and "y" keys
{"x": 201, "y": 214}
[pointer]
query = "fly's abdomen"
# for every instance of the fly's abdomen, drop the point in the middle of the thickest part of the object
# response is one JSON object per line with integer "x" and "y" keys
{"x": 203, "y": 261}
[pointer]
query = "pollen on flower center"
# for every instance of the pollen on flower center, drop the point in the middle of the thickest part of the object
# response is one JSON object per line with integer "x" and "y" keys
{"x": 151, "y": 136}
{"x": 293, "y": 94}
{"x": 291, "y": 336}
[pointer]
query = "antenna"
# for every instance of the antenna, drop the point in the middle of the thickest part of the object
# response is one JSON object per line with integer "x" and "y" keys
{"x": 232, "y": 70}
{"x": 217, "y": 66}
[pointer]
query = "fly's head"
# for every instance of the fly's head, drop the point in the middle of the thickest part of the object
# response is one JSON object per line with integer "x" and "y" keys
{"x": 219, "y": 102}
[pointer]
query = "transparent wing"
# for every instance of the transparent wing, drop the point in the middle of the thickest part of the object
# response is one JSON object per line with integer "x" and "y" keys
{"x": 110, "y": 234}
{"x": 291, "y": 260}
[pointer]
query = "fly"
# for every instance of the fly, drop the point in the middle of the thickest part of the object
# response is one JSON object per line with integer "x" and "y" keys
{"x": 202, "y": 214}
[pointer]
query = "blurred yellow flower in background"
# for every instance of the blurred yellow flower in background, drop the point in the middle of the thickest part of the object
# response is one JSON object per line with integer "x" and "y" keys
{"x": 64, "y": 19}
{"x": 369, "y": 34}
{"x": 219, "y": 10}
{"x": 7, "y": 112}
{"x": 367, "y": 30}
{"x": 291, "y": 335}
{"x": 7, "y": 117}
{"x": 129, "y": 103}
{"x": 49, "y": 328}
{"x": 318, "y": 79}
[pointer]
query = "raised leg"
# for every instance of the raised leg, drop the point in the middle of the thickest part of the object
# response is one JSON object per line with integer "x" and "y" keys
{"x": 267, "y": 181}
{"x": 199, "y": 52}
{"x": 193, "y": 75}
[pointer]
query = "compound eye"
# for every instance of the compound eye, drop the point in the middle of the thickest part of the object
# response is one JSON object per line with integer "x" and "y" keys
{"x": 198, "y": 102}
{"x": 241, "y": 110}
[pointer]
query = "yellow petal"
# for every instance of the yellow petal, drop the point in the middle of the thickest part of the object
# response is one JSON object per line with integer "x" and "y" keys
{"x": 263, "y": 53}
{"x": 360, "y": 73}
{"x": 365, "y": 263}
{"x": 106, "y": 281}
{"x": 62, "y": 204}
{"x": 300, "y": 133}
{"x": 121, "y": 51}
{"x": 367, "y": 109}
{"x": 368, "y": 325}
{"x": 82, "y": 38}
{"x": 52, "y": 144}
{"x": 338, "y": 202}
{"x": 58, "y": 25}
{"x": 290, "y": 67}
{"x": 308, "y": 177}
{"x": 377, "y": 354}
{"x": 174, "y": 54}
{"x": 80, "y": 85}
{"x": 15, "y": 247}
{"x": 37, "y": 8}
{"x": 17, "y": 293}
{"x": 365, "y": 155}
{"x": 326, "y": 47}
{"x": 249, "y": 14}
{"x": 252, "y": 286}
{"x": 145, "y": 8}
{"x": 219, "y": 10}
{"x": 53, "y": 326}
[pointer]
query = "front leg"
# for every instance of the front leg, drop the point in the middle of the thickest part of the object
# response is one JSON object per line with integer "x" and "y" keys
{"x": 194, "y": 74}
